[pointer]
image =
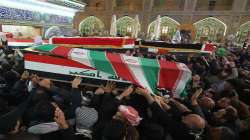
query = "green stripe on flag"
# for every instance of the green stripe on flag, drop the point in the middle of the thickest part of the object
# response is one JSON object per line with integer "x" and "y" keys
{"x": 184, "y": 92}
{"x": 151, "y": 69}
{"x": 46, "y": 48}
{"x": 101, "y": 62}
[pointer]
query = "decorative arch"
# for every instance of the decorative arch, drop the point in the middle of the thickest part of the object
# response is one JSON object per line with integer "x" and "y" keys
{"x": 168, "y": 27}
{"x": 91, "y": 26}
{"x": 243, "y": 32}
{"x": 210, "y": 28}
{"x": 125, "y": 26}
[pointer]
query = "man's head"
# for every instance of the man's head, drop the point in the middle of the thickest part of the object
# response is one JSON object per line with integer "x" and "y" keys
{"x": 230, "y": 84}
{"x": 6, "y": 66}
{"x": 207, "y": 102}
{"x": 114, "y": 130}
{"x": 39, "y": 95}
{"x": 223, "y": 102}
{"x": 87, "y": 97}
{"x": 225, "y": 115}
{"x": 85, "y": 117}
{"x": 127, "y": 114}
{"x": 153, "y": 131}
{"x": 194, "y": 121}
{"x": 10, "y": 77}
{"x": 219, "y": 133}
{"x": 210, "y": 93}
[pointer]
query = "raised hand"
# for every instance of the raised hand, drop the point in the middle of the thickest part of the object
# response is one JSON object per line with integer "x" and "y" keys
{"x": 99, "y": 91}
{"x": 195, "y": 96}
{"x": 163, "y": 103}
{"x": 59, "y": 117}
{"x": 128, "y": 91}
{"x": 143, "y": 92}
{"x": 25, "y": 75}
{"x": 109, "y": 87}
{"x": 76, "y": 82}
{"x": 146, "y": 93}
{"x": 158, "y": 100}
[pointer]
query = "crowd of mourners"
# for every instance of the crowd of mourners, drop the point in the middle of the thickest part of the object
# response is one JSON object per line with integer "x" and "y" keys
{"x": 214, "y": 105}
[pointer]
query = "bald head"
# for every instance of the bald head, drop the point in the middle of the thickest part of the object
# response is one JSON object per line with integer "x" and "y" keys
{"x": 207, "y": 102}
{"x": 194, "y": 121}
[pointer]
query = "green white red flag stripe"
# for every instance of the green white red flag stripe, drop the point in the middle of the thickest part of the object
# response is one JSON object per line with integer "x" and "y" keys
{"x": 124, "y": 71}
{"x": 147, "y": 73}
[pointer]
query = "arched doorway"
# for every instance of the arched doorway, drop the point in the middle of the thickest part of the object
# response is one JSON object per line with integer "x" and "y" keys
{"x": 168, "y": 28}
{"x": 125, "y": 26}
{"x": 91, "y": 26}
{"x": 210, "y": 29}
{"x": 243, "y": 32}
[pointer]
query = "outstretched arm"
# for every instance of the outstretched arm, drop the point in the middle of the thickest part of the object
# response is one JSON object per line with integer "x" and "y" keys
{"x": 76, "y": 93}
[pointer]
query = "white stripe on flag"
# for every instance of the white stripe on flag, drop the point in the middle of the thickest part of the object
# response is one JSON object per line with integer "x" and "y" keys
{"x": 203, "y": 47}
{"x": 20, "y": 44}
{"x": 59, "y": 69}
{"x": 136, "y": 70}
{"x": 185, "y": 75}
{"x": 81, "y": 56}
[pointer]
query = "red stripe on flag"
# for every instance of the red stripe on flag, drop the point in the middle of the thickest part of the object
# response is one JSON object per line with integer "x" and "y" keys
{"x": 121, "y": 69}
{"x": 129, "y": 41}
{"x": 169, "y": 74}
{"x": 54, "y": 61}
{"x": 162, "y": 51}
{"x": 61, "y": 51}
{"x": 209, "y": 47}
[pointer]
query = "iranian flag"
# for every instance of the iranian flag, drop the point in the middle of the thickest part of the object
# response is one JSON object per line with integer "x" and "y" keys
{"x": 146, "y": 73}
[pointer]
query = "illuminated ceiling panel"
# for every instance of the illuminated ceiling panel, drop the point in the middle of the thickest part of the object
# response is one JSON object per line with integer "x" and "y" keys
{"x": 68, "y": 3}
{"x": 40, "y": 6}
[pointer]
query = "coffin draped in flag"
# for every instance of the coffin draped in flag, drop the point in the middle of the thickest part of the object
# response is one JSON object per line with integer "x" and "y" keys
{"x": 94, "y": 42}
{"x": 147, "y": 73}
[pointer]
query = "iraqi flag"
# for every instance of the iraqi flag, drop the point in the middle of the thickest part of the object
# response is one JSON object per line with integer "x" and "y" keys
{"x": 146, "y": 73}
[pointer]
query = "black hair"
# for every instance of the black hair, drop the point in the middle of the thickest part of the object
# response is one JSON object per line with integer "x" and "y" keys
{"x": 114, "y": 130}
{"x": 231, "y": 114}
{"x": 227, "y": 134}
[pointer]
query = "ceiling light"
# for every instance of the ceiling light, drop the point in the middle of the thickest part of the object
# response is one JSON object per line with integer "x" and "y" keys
{"x": 38, "y": 6}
